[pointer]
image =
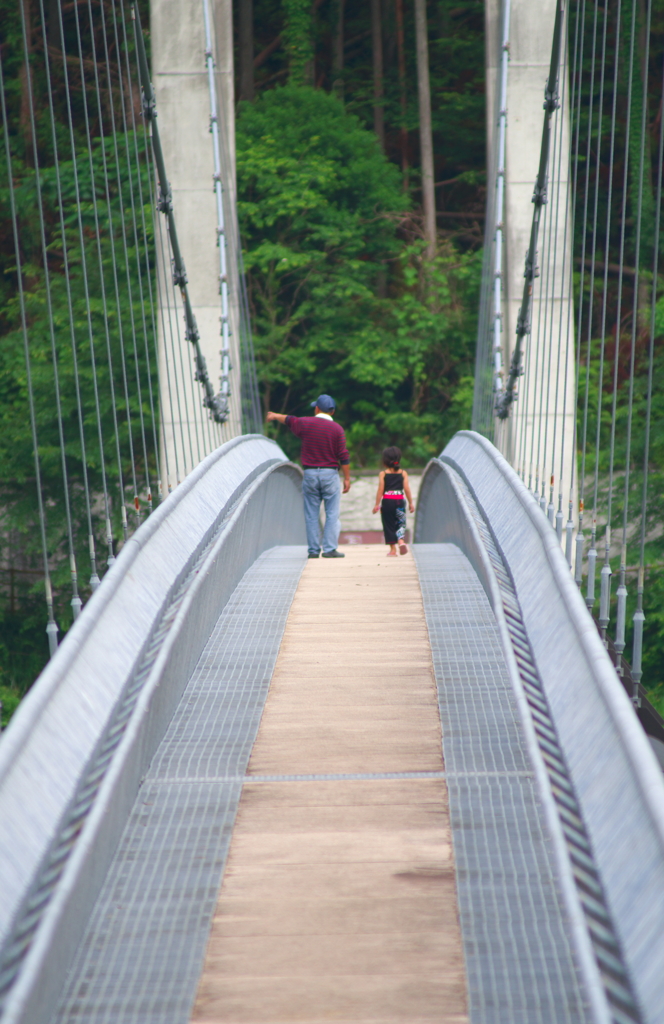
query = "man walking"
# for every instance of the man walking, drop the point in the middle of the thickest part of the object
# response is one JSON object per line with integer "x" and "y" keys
{"x": 323, "y": 451}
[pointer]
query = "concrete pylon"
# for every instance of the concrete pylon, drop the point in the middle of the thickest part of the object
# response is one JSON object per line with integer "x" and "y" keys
{"x": 540, "y": 429}
{"x": 183, "y": 108}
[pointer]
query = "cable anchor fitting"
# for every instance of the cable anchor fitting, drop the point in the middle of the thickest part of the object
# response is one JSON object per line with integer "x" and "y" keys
{"x": 551, "y": 97}
{"x": 191, "y": 334}
{"x": 179, "y": 274}
{"x": 165, "y": 200}
{"x": 523, "y": 323}
{"x": 218, "y": 406}
{"x": 531, "y": 270}
{"x": 148, "y": 106}
{"x": 540, "y": 195}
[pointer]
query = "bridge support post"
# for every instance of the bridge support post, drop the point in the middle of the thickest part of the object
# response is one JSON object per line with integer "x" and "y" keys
{"x": 181, "y": 88}
{"x": 533, "y": 422}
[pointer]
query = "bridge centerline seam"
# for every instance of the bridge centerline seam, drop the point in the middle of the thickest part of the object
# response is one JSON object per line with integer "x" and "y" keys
{"x": 338, "y": 777}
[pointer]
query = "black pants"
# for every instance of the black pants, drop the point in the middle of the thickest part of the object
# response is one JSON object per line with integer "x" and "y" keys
{"x": 393, "y": 514}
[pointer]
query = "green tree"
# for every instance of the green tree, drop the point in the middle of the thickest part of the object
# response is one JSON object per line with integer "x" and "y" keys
{"x": 341, "y": 301}
{"x": 95, "y": 329}
{"x": 298, "y": 42}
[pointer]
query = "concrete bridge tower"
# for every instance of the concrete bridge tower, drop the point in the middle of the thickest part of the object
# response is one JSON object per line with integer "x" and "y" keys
{"x": 549, "y": 350}
{"x": 183, "y": 107}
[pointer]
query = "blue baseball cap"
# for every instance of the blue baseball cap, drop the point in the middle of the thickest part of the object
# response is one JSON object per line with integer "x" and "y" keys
{"x": 325, "y": 403}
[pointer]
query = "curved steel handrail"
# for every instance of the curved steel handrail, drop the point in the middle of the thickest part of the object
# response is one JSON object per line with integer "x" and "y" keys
{"x": 614, "y": 772}
{"x": 104, "y": 701}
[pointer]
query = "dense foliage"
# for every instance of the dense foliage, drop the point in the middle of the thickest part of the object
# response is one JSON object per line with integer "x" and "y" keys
{"x": 341, "y": 303}
{"x": 342, "y": 298}
{"x": 456, "y": 60}
{"x": 83, "y": 294}
{"x": 613, "y": 162}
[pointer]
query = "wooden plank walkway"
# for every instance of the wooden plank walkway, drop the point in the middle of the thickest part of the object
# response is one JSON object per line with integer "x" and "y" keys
{"x": 338, "y": 901}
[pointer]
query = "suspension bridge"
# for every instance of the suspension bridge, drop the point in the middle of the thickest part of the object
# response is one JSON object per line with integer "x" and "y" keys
{"x": 253, "y": 787}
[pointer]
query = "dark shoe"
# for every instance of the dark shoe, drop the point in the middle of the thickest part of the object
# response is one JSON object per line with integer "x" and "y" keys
{"x": 313, "y": 556}
{"x": 333, "y": 554}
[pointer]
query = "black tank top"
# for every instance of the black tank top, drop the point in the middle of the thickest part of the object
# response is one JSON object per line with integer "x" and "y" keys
{"x": 393, "y": 482}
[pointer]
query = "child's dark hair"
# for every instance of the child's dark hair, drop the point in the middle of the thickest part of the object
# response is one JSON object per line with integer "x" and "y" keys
{"x": 392, "y": 457}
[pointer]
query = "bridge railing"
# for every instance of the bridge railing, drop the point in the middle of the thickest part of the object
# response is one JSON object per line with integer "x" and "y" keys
{"x": 73, "y": 756}
{"x": 599, "y": 780}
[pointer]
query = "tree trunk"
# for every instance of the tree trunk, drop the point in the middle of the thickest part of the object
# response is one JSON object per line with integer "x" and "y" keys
{"x": 26, "y": 82}
{"x": 53, "y": 25}
{"x": 246, "y": 33}
{"x": 338, "y": 52}
{"x": 426, "y": 141}
{"x": 377, "y": 44}
{"x": 403, "y": 134}
{"x": 298, "y": 41}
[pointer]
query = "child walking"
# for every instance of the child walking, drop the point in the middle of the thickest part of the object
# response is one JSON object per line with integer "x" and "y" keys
{"x": 393, "y": 489}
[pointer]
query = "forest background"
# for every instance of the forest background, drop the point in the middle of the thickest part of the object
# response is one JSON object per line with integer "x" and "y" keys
{"x": 346, "y": 298}
{"x": 347, "y": 295}
{"x": 351, "y": 290}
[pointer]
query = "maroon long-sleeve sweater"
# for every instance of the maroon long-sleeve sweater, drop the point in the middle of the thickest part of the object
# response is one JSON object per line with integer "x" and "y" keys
{"x": 323, "y": 441}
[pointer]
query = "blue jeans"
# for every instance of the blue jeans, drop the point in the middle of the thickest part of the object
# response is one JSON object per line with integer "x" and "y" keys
{"x": 321, "y": 485}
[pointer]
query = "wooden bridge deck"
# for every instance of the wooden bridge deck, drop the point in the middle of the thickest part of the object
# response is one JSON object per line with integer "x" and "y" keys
{"x": 338, "y": 900}
{"x": 299, "y": 853}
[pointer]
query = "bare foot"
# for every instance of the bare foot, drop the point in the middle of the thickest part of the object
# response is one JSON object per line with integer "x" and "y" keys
{"x": 391, "y": 554}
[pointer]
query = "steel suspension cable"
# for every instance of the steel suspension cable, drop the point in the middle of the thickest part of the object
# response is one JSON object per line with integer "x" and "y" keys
{"x": 161, "y": 274}
{"x": 251, "y": 421}
{"x": 606, "y": 568}
{"x": 164, "y": 305}
{"x": 621, "y": 609}
{"x": 540, "y": 352}
{"x": 251, "y": 413}
{"x": 604, "y": 584}
{"x": 584, "y": 229}
{"x": 94, "y": 578}
{"x": 578, "y": 567}
{"x": 639, "y": 616}
{"x": 547, "y": 334}
{"x": 561, "y": 124}
{"x": 139, "y": 270}
{"x": 174, "y": 331}
{"x": 137, "y": 371}
{"x": 51, "y": 627}
{"x": 526, "y": 397}
{"x": 114, "y": 267}
{"x": 522, "y": 422}
{"x": 185, "y": 371}
{"x": 537, "y": 392}
{"x": 102, "y": 285}
{"x": 566, "y": 283}
{"x": 76, "y": 602}
{"x": 547, "y": 279}
{"x": 576, "y": 101}
{"x": 88, "y": 307}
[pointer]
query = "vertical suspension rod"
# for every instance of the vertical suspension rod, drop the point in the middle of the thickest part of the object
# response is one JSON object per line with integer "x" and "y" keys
{"x": 221, "y": 227}
{"x": 551, "y": 103}
{"x": 500, "y": 205}
{"x": 211, "y": 401}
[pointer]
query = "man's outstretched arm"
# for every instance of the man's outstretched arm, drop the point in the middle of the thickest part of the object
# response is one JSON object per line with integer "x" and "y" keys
{"x": 280, "y": 417}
